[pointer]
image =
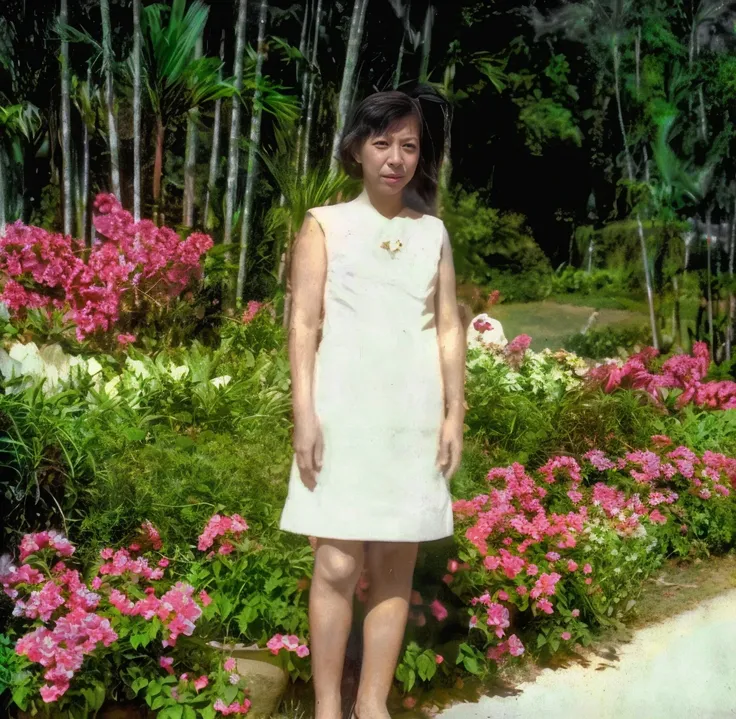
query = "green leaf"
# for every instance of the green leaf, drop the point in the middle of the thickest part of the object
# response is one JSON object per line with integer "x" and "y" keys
{"x": 139, "y": 640}
{"x": 133, "y": 434}
{"x": 426, "y": 666}
{"x": 158, "y": 702}
{"x": 471, "y": 664}
{"x": 228, "y": 696}
{"x": 138, "y": 684}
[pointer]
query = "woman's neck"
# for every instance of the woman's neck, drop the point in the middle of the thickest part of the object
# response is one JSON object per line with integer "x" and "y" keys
{"x": 389, "y": 206}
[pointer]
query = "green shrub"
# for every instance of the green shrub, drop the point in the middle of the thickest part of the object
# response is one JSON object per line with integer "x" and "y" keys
{"x": 496, "y": 250}
{"x": 611, "y": 341}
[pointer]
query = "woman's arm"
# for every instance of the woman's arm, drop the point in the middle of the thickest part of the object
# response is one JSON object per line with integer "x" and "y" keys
{"x": 451, "y": 335}
{"x": 452, "y": 345}
{"x": 308, "y": 272}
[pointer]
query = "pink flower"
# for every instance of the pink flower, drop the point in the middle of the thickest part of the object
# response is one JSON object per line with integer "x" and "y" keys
{"x": 200, "y": 683}
{"x": 302, "y": 651}
{"x": 125, "y": 339}
{"x": 552, "y": 556}
{"x": 575, "y": 612}
{"x": 230, "y": 664}
{"x": 545, "y": 605}
{"x": 452, "y": 565}
{"x": 502, "y": 595}
{"x": 473, "y": 622}
{"x": 275, "y": 643}
{"x": 205, "y": 598}
{"x": 566, "y": 635}
{"x": 656, "y": 517}
{"x": 516, "y": 648}
{"x": 587, "y": 569}
{"x": 252, "y": 309}
{"x": 521, "y": 590}
{"x": 588, "y": 581}
{"x": 448, "y": 578}
{"x": 163, "y": 562}
{"x": 571, "y": 566}
{"x": 222, "y": 526}
{"x": 438, "y": 610}
{"x": 531, "y": 570}
{"x": 439, "y": 658}
{"x": 167, "y": 664}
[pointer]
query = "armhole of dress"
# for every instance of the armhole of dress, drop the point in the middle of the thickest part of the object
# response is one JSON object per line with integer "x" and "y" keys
{"x": 318, "y": 215}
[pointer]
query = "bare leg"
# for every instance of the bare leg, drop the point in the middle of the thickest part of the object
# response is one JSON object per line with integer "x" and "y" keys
{"x": 391, "y": 570}
{"x": 337, "y": 567}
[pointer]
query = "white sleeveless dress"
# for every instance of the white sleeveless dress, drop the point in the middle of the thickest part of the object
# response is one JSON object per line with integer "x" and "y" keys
{"x": 378, "y": 387}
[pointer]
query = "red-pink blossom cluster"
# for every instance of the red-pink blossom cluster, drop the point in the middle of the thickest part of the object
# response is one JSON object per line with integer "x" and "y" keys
{"x": 251, "y": 310}
{"x": 234, "y": 708}
{"x": 683, "y": 372}
{"x": 61, "y": 600}
{"x": 49, "y": 270}
{"x": 32, "y": 543}
{"x": 229, "y": 528}
{"x": 291, "y": 643}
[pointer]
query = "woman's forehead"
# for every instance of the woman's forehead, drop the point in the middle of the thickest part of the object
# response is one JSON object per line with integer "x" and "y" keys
{"x": 404, "y": 126}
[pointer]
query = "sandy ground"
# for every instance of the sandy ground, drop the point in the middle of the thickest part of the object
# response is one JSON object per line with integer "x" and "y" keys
{"x": 681, "y": 668}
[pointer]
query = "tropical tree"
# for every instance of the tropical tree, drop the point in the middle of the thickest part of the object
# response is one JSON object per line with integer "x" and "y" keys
{"x": 357, "y": 22}
{"x": 601, "y": 25}
{"x": 176, "y": 80}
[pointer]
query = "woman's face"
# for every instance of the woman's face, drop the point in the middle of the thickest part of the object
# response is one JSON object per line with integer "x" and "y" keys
{"x": 389, "y": 161}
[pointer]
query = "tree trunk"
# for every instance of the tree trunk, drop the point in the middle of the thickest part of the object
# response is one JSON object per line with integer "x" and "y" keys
{"x": 190, "y": 156}
{"x": 731, "y": 298}
{"x": 158, "y": 167}
{"x": 311, "y": 94}
{"x": 426, "y": 43}
{"x": 399, "y": 61}
{"x": 254, "y": 146}
{"x": 137, "y": 110}
{"x": 302, "y": 78}
{"x": 215, "y": 154}
{"x": 708, "y": 279}
{"x": 233, "y": 157}
{"x": 351, "y": 62}
{"x": 630, "y": 175}
{"x": 110, "y": 98}
{"x": 66, "y": 130}
{"x": 85, "y": 179}
{"x": 2, "y": 191}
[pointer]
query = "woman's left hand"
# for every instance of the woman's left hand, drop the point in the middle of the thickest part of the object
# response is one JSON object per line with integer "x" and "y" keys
{"x": 450, "y": 446}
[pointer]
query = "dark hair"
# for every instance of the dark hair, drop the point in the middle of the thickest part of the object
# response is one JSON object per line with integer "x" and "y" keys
{"x": 379, "y": 111}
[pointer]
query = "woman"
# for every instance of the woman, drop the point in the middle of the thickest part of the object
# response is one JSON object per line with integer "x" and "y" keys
{"x": 379, "y": 409}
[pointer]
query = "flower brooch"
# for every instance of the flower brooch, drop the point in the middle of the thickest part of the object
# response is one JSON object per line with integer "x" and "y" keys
{"x": 392, "y": 246}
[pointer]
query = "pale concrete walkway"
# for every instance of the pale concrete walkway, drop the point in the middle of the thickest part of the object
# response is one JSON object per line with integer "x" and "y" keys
{"x": 682, "y": 668}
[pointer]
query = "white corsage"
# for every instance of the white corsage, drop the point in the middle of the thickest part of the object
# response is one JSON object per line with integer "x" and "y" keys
{"x": 392, "y": 246}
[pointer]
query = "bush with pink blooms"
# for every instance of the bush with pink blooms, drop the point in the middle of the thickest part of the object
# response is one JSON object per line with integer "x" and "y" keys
{"x": 133, "y": 270}
{"x": 676, "y": 382}
{"x": 547, "y": 556}
{"x": 139, "y": 623}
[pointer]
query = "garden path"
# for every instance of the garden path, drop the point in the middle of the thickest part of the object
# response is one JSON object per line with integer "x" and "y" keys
{"x": 680, "y": 668}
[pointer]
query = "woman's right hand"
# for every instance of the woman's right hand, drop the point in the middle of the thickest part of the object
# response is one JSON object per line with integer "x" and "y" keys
{"x": 309, "y": 448}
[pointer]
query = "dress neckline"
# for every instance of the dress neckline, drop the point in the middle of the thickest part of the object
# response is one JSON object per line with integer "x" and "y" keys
{"x": 364, "y": 199}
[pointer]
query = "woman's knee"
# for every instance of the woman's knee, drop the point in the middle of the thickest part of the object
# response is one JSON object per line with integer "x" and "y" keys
{"x": 339, "y": 563}
{"x": 391, "y": 559}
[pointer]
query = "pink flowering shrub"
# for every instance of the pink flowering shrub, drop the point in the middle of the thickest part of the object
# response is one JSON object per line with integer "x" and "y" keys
{"x": 77, "y": 633}
{"x": 97, "y": 287}
{"x": 568, "y": 546}
{"x": 683, "y": 373}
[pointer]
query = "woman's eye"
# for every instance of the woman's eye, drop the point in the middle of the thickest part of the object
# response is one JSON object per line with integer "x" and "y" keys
{"x": 410, "y": 146}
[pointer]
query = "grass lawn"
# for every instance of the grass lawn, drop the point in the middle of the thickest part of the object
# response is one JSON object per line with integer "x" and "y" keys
{"x": 548, "y": 322}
